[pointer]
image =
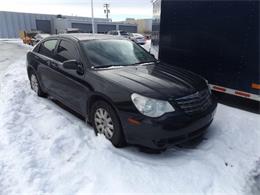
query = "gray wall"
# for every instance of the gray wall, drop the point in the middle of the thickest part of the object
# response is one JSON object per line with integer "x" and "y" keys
{"x": 11, "y": 23}
{"x": 128, "y": 28}
{"x": 83, "y": 27}
{"x": 104, "y": 28}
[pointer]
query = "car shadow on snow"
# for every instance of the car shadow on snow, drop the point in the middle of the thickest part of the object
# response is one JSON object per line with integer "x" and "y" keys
{"x": 67, "y": 109}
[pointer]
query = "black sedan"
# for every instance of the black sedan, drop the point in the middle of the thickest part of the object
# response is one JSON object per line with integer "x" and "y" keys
{"x": 122, "y": 90}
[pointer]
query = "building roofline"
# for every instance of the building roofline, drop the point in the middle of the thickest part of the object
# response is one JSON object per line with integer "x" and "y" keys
{"x": 52, "y": 14}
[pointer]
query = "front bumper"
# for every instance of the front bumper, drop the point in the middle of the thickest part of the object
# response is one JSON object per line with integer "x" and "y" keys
{"x": 165, "y": 131}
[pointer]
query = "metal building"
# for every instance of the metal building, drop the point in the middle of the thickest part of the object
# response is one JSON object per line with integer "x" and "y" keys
{"x": 11, "y": 23}
{"x": 85, "y": 25}
{"x": 143, "y": 25}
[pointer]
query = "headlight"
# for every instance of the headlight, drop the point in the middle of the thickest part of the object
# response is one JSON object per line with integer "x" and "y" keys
{"x": 151, "y": 107}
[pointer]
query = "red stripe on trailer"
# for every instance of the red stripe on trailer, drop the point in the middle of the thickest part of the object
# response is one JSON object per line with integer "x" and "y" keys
{"x": 235, "y": 92}
{"x": 217, "y": 88}
{"x": 240, "y": 93}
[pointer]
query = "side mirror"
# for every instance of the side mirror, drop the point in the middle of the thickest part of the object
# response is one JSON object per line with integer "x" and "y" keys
{"x": 74, "y": 65}
{"x": 70, "y": 64}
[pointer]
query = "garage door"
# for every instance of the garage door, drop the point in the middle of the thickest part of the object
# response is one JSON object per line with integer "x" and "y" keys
{"x": 132, "y": 29}
{"x": 104, "y": 28}
{"x": 85, "y": 28}
{"x": 43, "y": 26}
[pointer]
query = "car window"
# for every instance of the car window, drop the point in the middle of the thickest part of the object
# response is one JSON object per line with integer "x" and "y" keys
{"x": 65, "y": 51}
{"x": 47, "y": 48}
{"x": 115, "y": 33}
{"x": 123, "y": 33}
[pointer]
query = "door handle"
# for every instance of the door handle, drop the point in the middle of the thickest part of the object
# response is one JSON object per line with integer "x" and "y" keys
{"x": 52, "y": 64}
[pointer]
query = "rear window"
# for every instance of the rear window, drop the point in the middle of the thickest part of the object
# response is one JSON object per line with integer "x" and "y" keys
{"x": 66, "y": 51}
{"x": 47, "y": 48}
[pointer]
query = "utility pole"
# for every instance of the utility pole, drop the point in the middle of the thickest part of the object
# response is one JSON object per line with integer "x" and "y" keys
{"x": 92, "y": 14}
{"x": 106, "y": 10}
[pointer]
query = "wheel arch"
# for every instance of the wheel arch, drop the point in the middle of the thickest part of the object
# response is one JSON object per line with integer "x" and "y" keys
{"x": 100, "y": 97}
{"x": 30, "y": 70}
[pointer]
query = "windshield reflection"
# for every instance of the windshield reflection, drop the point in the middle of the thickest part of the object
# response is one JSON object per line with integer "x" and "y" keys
{"x": 105, "y": 53}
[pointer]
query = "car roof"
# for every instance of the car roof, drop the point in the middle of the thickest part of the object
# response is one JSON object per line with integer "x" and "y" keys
{"x": 87, "y": 36}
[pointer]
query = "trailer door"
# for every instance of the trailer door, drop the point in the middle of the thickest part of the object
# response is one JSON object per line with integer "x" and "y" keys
{"x": 216, "y": 39}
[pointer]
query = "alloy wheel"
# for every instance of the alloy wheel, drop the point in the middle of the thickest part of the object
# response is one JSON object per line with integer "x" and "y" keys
{"x": 104, "y": 123}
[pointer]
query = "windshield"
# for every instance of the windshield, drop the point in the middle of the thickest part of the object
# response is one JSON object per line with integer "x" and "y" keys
{"x": 102, "y": 53}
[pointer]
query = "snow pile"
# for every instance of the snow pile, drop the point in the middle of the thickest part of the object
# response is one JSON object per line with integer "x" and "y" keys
{"x": 149, "y": 47}
{"x": 45, "y": 149}
{"x": 9, "y": 52}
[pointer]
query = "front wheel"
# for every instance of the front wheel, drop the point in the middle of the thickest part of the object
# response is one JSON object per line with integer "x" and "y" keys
{"x": 105, "y": 121}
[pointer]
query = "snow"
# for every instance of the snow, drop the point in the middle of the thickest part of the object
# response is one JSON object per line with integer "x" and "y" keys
{"x": 46, "y": 150}
{"x": 149, "y": 47}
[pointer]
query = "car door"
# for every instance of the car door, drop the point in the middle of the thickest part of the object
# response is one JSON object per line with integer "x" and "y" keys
{"x": 44, "y": 59}
{"x": 69, "y": 85}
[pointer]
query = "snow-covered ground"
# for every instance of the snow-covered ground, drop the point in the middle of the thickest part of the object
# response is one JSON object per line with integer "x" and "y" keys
{"x": 46, "y": 150}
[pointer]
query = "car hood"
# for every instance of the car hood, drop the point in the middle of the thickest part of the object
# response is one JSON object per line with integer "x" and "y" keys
{"x": 156, "y": 80}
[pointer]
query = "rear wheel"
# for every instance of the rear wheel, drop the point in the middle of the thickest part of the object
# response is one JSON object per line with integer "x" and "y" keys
{"x": 35, "y": 86}
{"x": 105, "y": 121}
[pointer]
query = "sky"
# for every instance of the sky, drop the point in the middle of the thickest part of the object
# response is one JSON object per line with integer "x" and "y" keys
{"x": 120, "y": 9}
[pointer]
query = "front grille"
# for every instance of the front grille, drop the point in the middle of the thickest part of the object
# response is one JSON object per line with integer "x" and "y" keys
{"x": 195, "y": 103}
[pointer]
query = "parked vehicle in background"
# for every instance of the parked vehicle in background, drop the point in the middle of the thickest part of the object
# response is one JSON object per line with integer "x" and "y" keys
{"x": 138, "y": 38}
{"x": 221, "y": 43}
{"x": 32, "y": 37}
{"x": 121, "y": 89}
{"x": 72, "y": 30}
{"x": 39, "y": 36}
{"x": 121, "y": 33}
{"x": 28, "y": 36}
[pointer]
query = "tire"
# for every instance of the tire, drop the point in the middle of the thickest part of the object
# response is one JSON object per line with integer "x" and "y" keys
{"x": 105, "y": 121}
{"x": 35, "y": 86}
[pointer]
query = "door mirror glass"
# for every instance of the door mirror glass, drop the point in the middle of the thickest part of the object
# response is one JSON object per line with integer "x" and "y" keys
{"x": 74, "y": 65}
{"x": 70, "y": 64}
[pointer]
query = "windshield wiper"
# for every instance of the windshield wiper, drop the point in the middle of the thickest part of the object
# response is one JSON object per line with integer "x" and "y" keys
{"x": 123, "y": 65}
{"x": 104, "y": 66}
{"x": 143, "y": 63}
